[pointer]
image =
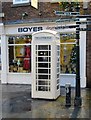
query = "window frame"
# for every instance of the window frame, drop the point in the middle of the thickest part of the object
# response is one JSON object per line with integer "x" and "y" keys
{"x": 14, "y": 45}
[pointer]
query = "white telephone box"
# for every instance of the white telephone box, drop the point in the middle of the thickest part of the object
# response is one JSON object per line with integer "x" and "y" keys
{"x": 45, "y": 64}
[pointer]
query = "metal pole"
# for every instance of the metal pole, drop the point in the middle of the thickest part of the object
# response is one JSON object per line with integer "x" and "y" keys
{"x": 77, "y": 100}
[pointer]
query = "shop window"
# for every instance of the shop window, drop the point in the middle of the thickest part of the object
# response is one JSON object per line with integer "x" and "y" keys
{"x": 68, "y": 53}
{"x": 19, "y": 49}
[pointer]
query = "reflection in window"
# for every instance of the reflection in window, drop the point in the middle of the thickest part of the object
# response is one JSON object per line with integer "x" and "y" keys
{"x": 43, "y": 88}
{"x": 19, "y": 49}
{"x": 42, "y": 47}
{"x": 68, "y": 54}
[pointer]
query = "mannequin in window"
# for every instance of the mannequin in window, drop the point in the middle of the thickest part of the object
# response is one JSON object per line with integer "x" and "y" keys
{"x": 26, "y": 65}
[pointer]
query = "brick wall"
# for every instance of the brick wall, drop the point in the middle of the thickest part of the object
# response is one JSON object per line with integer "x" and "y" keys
{"x": 45, "y": 10}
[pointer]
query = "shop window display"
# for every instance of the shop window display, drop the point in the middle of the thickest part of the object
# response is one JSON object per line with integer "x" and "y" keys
{"x": 68, "y": 53}
{"x": 19, "y": 48}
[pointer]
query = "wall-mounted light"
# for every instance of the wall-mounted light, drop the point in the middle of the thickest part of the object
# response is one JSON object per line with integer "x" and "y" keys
{"x": 25, "y": 14}
{"x": 40, "y": 13}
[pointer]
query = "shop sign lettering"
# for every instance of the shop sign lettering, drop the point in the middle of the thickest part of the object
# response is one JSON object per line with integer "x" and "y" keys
{"x": 30, "y": 29}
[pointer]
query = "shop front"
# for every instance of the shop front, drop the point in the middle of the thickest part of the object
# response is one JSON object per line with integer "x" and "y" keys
{"x": 16, "y": 52}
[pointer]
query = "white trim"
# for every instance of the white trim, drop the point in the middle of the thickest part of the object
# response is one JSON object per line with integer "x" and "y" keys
{"x": 12, "y": 30}
{"x": 68, "y": 74}
{"x": 18, "y": 44}
{"x": 19, "y": 73}
{"x": 68, "y": 43}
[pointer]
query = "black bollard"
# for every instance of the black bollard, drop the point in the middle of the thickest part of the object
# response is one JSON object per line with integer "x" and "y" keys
{"x": 68, "y": 95}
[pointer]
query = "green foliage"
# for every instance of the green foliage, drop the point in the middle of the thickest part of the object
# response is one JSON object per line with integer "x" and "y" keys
{"x": 68, "y": 6}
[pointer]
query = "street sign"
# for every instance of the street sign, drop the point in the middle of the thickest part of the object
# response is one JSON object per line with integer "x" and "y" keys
{"x": 66, "y": 13}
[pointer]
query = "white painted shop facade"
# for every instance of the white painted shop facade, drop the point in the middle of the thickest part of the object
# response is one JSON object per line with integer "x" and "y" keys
{"x": 14, "y": 66}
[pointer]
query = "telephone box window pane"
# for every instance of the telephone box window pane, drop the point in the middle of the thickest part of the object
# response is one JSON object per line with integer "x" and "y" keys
{"x": 57, "y": 70}
{"x": 49, "y": 53}
{"x": 45, "y": 59}
{"x": 49, "y": 59}
{"x": 42, "y": 47}
{"x": 58, "y": 81}
{"x": 57, "y": 75}
{"x": 42, "y": 88}
{"x": 49, "y": 71}
{"x": 42, "y": 53}
{"x": 42, "y": 70}
{"x": 57, "y": 87}
{"x": 49, "y": 65}
{"x": 49, "y": 76}
{"x": 43, "y": 82}
{"x": 42, "y": 76}
{"x": 49, "y": 47}
{"x": 45, "y": 65}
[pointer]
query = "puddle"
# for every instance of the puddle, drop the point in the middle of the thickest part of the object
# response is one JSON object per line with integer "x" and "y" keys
{"x": 17, "y": 105}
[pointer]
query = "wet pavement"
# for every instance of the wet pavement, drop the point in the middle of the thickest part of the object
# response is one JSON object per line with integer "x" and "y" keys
{"x": 17, "y": 103}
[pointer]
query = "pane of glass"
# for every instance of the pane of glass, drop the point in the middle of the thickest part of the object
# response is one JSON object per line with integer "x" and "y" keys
{"x": 49, "y": 65}
{"x": 49, "y": 53}
{"x": 49, "y": 47}
{"x": 26, "y": 0}
{"x": 57, "y": 64}
{"x": 19, "y": 58}
{"x": 57, "y": 70}
{"x": 10, "y": 40}
{"x": 68, "y": 58}
{"x": 36, "y": 82}
{"x": 42, "y": 70}
{"x": 42, "y": 47}
{"x": 42, "y": 76}
{"x": 57, "y": 87}
{"x": 67, "y": 37}
{"x": 43, "y": 82}
{"x": 36, "y": 47}
{"x": 49, "y": 71}
{"x": 58, "y": 53}
{"x": 57, "y": 81}
{"x": 49, "y": 59}
{"x": 42, "y": 88}
{"x": 45, "y": 59}
{"x": 58, "y": 47}
{"x": 17, "y": 0}
{"x": 57, "y": 75}
{"x": 19, "y": 55}
{"x": 36, "y": 88}
{"x": 45, "y": 65}
{"x": 26, "y": 39}
{"x": 42, "y": 53}
{"x": 58, "y": 59}
{"x": 49, "y": 76}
